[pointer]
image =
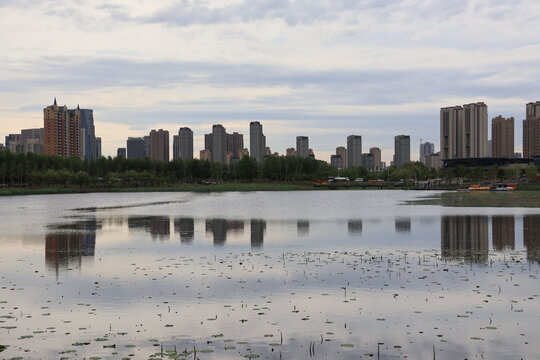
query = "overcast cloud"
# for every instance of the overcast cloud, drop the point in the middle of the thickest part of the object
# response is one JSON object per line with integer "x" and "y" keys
{"x": 320, "y": 68}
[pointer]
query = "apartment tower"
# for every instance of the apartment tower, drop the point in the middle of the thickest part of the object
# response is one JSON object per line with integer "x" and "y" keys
{"x": 302, "y": 146}
{"x": 185, "y": 146}
{"x": 159, "y": 145}
{"x": 502, "y": 135}
{"x": 135, "y": 148}
{"x": 342, "y": 151}
{"x": 376, "y": 157}
{"x": 62, "y": 131}
{"x": 354, "y": 150}
{"x": 257, "y": 141}
{"x": 531, "y": 131}
{"x": 402, "y": 150}
{"x": 219, "y": 144}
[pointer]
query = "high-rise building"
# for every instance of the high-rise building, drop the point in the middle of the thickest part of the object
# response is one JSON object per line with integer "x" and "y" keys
{"x": 176, "y": 147}
{"x": 159, "y": 145}
{"x": 14, "y": 143}
{"x": 205, "y": 155}
{"x": 235, "y": 142}
{"x": 135, "y": 148}
{"x": 502, "y": 134}
{"x": 425, "y": 149}
{"x": 208, "y": 142}
{"x": 146, "y": 140}
{"x": 98, "y": 148}
{"x": 302, "y": 146}
{"x": 62, "y": 131}
{"x": 219, "y": 143}
{"x": 354, "y": 150}
{"x": 33, "y": 140}
{"x": 433, "y": 161}
{"x": 121, "y": 153}
{"x": 531, "y": 131}
{"x": 368, "y": 161}
{"x": 185, "y": 143}
{"x": 376, "y": 157}
{"x": 290, "y": 152}
{"x": 450, "y": 118}
{"x": 337, "y": 161}
{"x": 242, "y": 153}
{"x": 257, "y": 141}
{"x": 402, "y": 150}
{"x": 2, "y": 147}
{"x": 474, "y": 132}
{"x": 342, "y": 151}
{"x": 88, "y": 135}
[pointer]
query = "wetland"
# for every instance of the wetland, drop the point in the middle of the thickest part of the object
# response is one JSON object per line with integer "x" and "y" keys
{"x": 269, "y": 275}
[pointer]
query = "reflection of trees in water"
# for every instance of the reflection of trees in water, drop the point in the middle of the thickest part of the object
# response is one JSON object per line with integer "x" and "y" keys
{"x": 220, "y": 227}
{"x": 465, "y": 238}
{"x": 186, "y": 228}
{"x": 65, "y": 249}
{"x": 258, "y": 227}
{"x": 354, "y": 227}
{"x": 158, "y": 226}
{"x": 531, "y": 236}
{"x": 503, "y": 230}
{"x": 302, "y": 227}
{"x": 403, "y": 225}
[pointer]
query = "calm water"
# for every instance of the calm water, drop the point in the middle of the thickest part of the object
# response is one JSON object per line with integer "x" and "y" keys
{"x": 291, "y": 275}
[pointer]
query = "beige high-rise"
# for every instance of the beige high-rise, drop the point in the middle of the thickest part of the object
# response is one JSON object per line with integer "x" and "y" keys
{"x": 531, "y": 130}
{"x": 376, "y": 157}
{"x": 464, "y": 131}
{"x": 502, "y": 137}
{"x": 159, "y": 145}
{"x": 342, "y": 151}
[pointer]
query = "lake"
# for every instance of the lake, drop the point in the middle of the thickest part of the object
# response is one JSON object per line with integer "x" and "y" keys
{"x": 269, "y": 275}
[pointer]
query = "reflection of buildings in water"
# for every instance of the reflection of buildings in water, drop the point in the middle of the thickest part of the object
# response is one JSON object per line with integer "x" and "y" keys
{"x": 258, "y": 227}
{"x": 531, "y": 236}
{"x": 64, "y": 250}
{"x": 158, "y": 226}
{"x": 403, "y": 225}
{"x": 220, "y": 227}
{"x": 465, "y": 237}
{"x": 302, "y": 227}
{"x": 186, "y": 228}
{"x": 354, "y": 227}
{"x": 504, "y": 237}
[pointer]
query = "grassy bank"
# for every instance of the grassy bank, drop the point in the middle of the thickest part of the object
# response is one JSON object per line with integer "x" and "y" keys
{"x": 522, "y": 198}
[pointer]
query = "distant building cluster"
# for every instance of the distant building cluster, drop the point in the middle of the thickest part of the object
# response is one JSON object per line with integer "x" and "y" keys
{"x": 463, "y": 135}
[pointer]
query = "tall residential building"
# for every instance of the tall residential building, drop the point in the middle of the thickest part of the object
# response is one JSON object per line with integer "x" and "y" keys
{"x": 185, "y": 136}
{"x": 433, "y": 161}
{"x": 208, "y": 140}
{"x": 302, "y": 146}
{"x": 205, "y": 155}
{"x": 14, "y": 143}
{"x": 464, "y": 131}
{"x": 235, "y": 143}
{"x": 176, "y": 147}
{"x": 135, "y": 148}
{"x": 502, "y": 134}
{"x": 402, "y": 150}
{"x": 376, "y": 157}
{"x": 337, "y": 161}
{"x": 219, "y": 143}
{"x": 98, "y": 148}
{"x": 33, "y": 140}
{"x": 88, "y": 135}
{"x": 451, "y": 117}
{"x": 425, "y": 149}
{"x": 368, "y": 161}
{"x": 146, "y": 140}
{"x": 531, "y": 130}
{"x": 342, "y": 151}
{"x": 159, "y": 145}
{"x": 121, "y": 153}
{"x": 257, "y": 141}
{"x": 474, "y": 132}
{"x": 62, "y": 131}
{"x": 354, "y": 150}
{"x": 290, "y": 152}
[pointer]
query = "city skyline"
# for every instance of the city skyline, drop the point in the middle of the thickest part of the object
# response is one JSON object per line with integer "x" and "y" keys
{"x": 373, "y": 68}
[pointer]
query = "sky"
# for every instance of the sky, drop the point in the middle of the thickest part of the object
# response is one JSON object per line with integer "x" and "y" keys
{"x": 319, "y": 68}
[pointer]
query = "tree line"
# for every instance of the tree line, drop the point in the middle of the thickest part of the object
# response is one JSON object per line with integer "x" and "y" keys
{"x": 17, "y": 170}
